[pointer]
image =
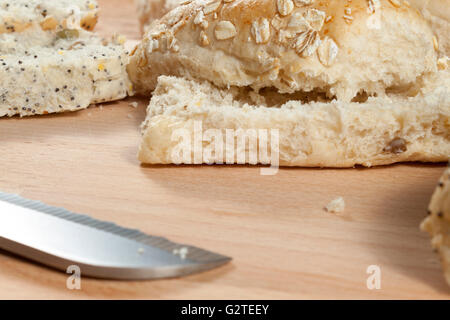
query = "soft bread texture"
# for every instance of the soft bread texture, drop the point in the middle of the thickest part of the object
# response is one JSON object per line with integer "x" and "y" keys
{"x": 342, "y": 48}
{"x": 20, "y": 15}
{"x": 379, "y": 131}
{"x": 437, "y": 13}
{"x": 45, "y": 72}
{"x": 438, "y": 222}
{"x": 149, "y": 10}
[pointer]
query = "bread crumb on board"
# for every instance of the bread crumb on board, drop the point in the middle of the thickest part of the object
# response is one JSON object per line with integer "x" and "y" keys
{"x": 134, "y": 104}
{"x": 336, "y": 206}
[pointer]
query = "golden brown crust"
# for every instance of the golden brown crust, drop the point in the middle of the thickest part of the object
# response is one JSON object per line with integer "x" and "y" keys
{"x": 340, "y": 47}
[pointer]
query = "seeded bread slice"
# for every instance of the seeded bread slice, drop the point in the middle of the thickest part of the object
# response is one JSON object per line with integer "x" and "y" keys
{"x": 378, "y": 131}
{"x": 438, "y": 222}
{"x": 44, "y": 72}
{"x": 19, "y": 15}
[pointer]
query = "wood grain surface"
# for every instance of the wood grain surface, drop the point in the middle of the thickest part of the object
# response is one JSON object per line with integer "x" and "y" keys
{"x": 284, "y": 245}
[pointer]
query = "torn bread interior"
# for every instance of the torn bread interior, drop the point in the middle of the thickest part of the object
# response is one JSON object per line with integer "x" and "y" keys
{"x": 195, "y": 122}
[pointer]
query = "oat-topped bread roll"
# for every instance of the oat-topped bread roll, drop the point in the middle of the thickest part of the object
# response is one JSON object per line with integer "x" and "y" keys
{"x": 344, "y": 82}
{"x": 313, "y": 132}
{"x": 149, "y": 10}
{"x": 438, "y": 222}
{"x": 340, "y": 47}
{"x": 437, "y": 13}
{"x": 19, "y": 15}
{"x": 45, "y": 72}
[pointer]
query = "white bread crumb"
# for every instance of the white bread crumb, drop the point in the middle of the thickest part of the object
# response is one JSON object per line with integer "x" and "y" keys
{"x": 336, "y": 206}
{"x": 134, "y": 104}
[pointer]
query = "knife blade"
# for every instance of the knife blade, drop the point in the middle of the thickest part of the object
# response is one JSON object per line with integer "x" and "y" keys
{"x": 59, "y": 238}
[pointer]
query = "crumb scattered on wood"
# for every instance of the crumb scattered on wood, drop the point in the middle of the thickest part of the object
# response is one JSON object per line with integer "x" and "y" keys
{"x": 134, "y": 104}
{"x": 336, "y": 206}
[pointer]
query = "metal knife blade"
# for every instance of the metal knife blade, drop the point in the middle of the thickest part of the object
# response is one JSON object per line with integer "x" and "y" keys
{"x": 58, "y": 238}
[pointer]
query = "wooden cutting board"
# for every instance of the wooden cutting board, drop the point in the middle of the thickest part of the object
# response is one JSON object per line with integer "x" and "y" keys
{"x": 284, "y": 244}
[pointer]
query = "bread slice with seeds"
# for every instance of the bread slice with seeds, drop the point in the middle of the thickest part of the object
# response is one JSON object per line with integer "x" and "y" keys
{"x": 149, "y": 10}
{"x": 20, "y": 15}
{"x": 342, "y": 48}
{"x": 312, "y": 132}
{"x": 45, "y": 72}
{"x": 438, "y": 222}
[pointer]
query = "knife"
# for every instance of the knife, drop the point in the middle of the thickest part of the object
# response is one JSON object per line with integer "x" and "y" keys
{"x": 58, "y": 238}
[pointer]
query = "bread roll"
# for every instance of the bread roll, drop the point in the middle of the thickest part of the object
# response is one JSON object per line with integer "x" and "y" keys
{"x": 313, "y": 132}
{"x": 341, "y": 48}
{"x": 438, "y": 222}
{"x": 19, "y": 15}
